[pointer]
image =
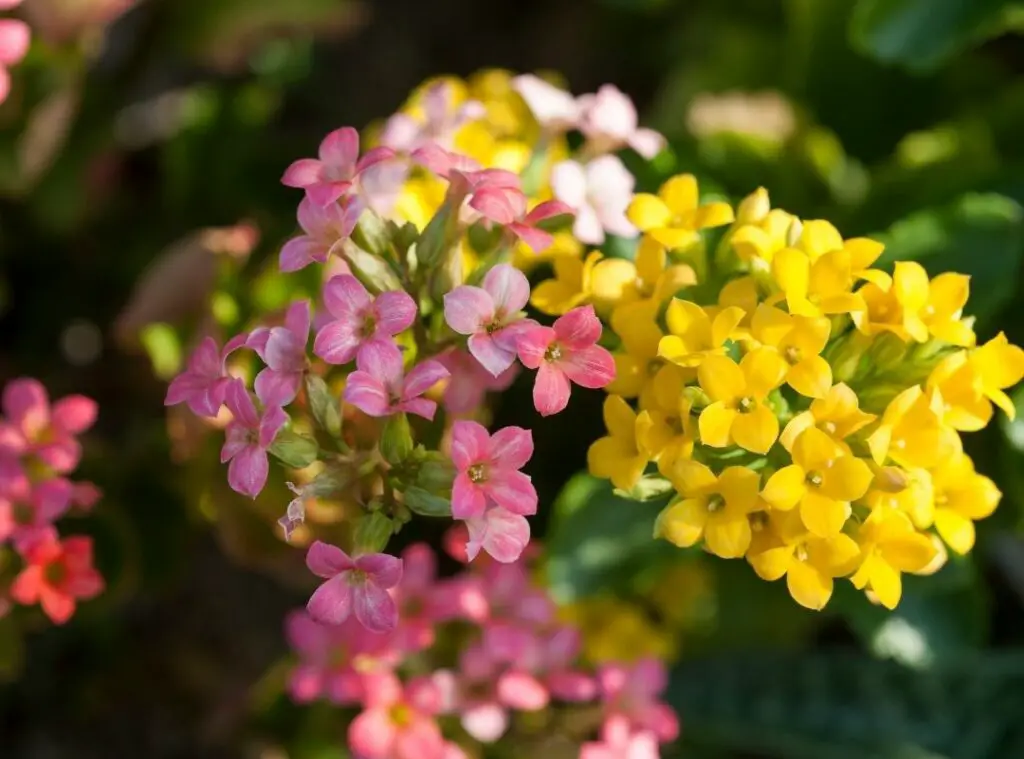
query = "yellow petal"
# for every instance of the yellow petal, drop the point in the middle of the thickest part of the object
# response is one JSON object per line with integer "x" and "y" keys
{"x": 715, "y": 424}
{"x": 650, "y": 259}
{"x": 619, "y": 418}
{"x": 956, "y": 529}
{"x": 693, "y": 478}
{"x": 712, "y": 215}
{"x": 815, "y": 451}
{"x": 724, "y": 325}
{"x": 755, "y": 431}
{"x": 863, "y": 252}
{"x": 652, "y": 433}
{"x": 674, "y": 238}
{"x": 797, "y": 424}
{"x": 739, "y": 486}
{"x": 818, "y": 237}
{"x": 727, "y": 537}
{"x": 772, "y": 564}
{"x": 948, "y": 293}
{"x": 910, "y": 553}
{"x": 824, "y": 517}
{"x": 685, "y": 318}
{"x": 672, "y": 280}
{"x": 611, "y": 279}
{"x": 635, "y": 324}
{"x": 792, "y": 270}
{"x": 680, "y": 193}
{"x": 555, "y": 297}
{"x": 837, "y": 556}
{"x": 886, "y": 584}
{"x": 811, "y": 377}
{"x": 1000, "y": 364}
{"x": 770, "y": 325}
{"x": 630, "y": 375}
{"x": 910, "y": 284}
{"x": 648, "y": 211}
{"x": 721, "y": 379}
{"x": 809, "y": 587}
{"x": 682, "y": 522}
{"x": 785, "y": 488}
{"x": 847, "y": 480}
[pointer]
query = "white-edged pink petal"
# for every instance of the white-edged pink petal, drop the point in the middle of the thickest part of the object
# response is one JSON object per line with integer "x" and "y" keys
{"x": 569, "y": 183}
{"x": 345, "y": 297}
{"x": 492, "y": 357}
{"x": 468, "y": 309}
{"x": 511, "y": 447}
{"x": 339, "y": 151}
{"x": 508, "y": 287}
{"x": 512, "y": 490}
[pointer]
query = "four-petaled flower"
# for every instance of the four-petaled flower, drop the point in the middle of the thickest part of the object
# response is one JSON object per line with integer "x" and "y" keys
{"x": 283, "y": 349}
{"x": 609, "y": 121}
{"x": 359, "y": 318}
{"x": 247, "y": 438}
{"x": 30, "y": 426}
{"x": 599, "y": 193}
{"x": 334, "y": 173}
{"x": 203, "y": 385}
{"x": 488, "y": 470}
{"x": 57, "y": 575}
{"x": 379, "y": 386}
{"x": 357, "y": 586}
{"x": 506, "y": 206}
{"x": 324, "y": 227}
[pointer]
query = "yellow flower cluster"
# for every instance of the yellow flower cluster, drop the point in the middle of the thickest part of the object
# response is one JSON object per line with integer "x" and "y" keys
{"x": 804, "y": 406}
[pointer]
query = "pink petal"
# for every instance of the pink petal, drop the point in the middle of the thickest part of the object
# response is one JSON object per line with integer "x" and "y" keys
{"x": 51, "y": 499}
{"x": 374, "y": 607}
{"x": 442, "y": 162}
{"x": 340, "y": 150}
{"x": 74, "y": 414}
{"x": 372, "y": 734}
{"x": 385, "y": 570}
{"x": 297, "y": 320}
{"x": 237, "y": 438}
{"x": 26, "y": 404}
{"x": 305, "y": 684}
{"x": 400, "y": 132}
{"x": 572, "y": 686}
{"x": 552, "y": 107}
{"x": 206, "y": 359}
{"x": 535, "y": 239}
{"x": 85, "y": 495}
{"x": 380, "y": 185}
{"x": 420, "y": 407}
{"x": 486, "y": 722}
{"x": 546, "y": 210}
{"x": 257, "y": 341}
{"x": 15, "y": 38}
{"x": 508, "y": 336}
{"x": 345, "y": 688}
{"x": 500, "y": 206}
{"x": 491, "y": 356}
{"x": 346, "y": 298}
{"x": 470, "y": 444}
{"x": 550, "y": 390}
{"x": 306, "y": 636}
{"x": 422, "y": 377}
{"x": 240, "y": 404}
{"x": 522, "y": 692}
{"x": 230, "y": 347}
{"x": 367, "y": 394}
{"x": 569, "y": 183}
{"x": 512, "y": 491}
{"x": 285, "y": 351}
{"x": 501, "y": 534}
{"x": 382, "y": 360}
{"x": 579, "y": 328}
{"x": 62, "y": 456}
{"x": 588, "y": 227}
{"x": 300, "y": 252}
{"x": 419, "y": 567}
{"x": 468, "y": 309}
{"x": 508, "y": 287}
{"x": 332, "y": 602}
{"x": 338, "y": 341}
{"x": 591, "y": 367}
{"x": 326, "y": 193}
{"x": 302, "y": 173}
{"x": 468, "y": 499}
{"x": 511, "y": 447}
{"x": 395, "y": 312}
{"x": 647, "y": 142}
{"x": 247, "y": 472}
{"x": 373, "y": 157}
{"x": 325, "y": 560}
{"x": 533, "y": 344}
{"x": 274, "y": 418}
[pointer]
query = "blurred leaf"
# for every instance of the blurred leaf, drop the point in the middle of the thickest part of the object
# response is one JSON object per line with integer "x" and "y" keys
{"x": 981, "y": 235}
{"x": 163, "y": 347}
{"x": 922, "y": 34}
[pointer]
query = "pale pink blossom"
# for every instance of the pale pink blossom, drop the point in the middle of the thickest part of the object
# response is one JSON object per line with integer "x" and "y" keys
{"x": 57, "y": 575}
{"x": 323, "y": 227}
{"x": 609, "y": 120}
{"x": 326, "y": 666}
{"x": 295, "y": 513}
{"x": 566, "y": 352}
{"x": 356, "y": 586}
{"x": 247, "y": 438}
{"x": 336, "y": 171}
{"x": 30, "y": 426}
{"x": 470, "y": 382}
{"x": 555, "y": 109}
{"x": 491, "y": 315}
{"x": 399, "y": 721}
{"x": 415, "y": 597}
{"x": 630, "y": 693}
{"x": 15, "y": 38}
{"x": 203, "y": 385}
{"x": 499, "y": 533}
{"x": 619, "y": 741}
{"x": 488, "y": 470}
{"x": 599, "y": 192}
{"x": 506, "y": 207}
{"x": 441, "y": 118}
{"x": 283, "y": 350}
{"x": 379, "y": 387}
{"x": 513, "y": 599}
{"x": 360, "y": 319}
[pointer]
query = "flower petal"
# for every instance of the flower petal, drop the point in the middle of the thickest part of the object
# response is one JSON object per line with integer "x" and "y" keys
{"x": 345, "y": 297}
{"x": 492, "y": 357}
{"x": 384, "y": 569}
{"x": 468, "y": 499}
{"x": 367, "y": 394}
{"x": 338, "y": 341}
{"x": 468, "y": 309}
{"x": 340, "y": 149}
{"x": 508, "y": 287}
{"x": 511, "y": 447}
{"x": 331, "y": 603}
{"x": 248, "y": 470}
{"x": 550, "y": 390}
{"x": 512, "y": 491}
{"x": 422, "y": 377}
{"x": 395, "y": 312}
{"x": 580, "y": 328}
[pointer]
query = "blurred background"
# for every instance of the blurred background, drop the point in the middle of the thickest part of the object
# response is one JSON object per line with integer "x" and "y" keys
{"x": 140, "y": 151}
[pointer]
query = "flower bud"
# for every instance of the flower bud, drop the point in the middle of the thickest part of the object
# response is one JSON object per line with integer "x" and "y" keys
{"x": 419, "y": 501}
{"x": 754, "y": 207}
{"x": 845, "y": 355}
{"x": 796, "y": 228}
{"x": 323, "y": 405}
{"x": 294, "y": 450}
{"x": 435, "y": 476}
{"x": 648, "y": 489}
{"x": 372, "y": 234}
{"x": 396, "y": 439}
{"x": 887, "y": 352}
{"x": 373, "y": 272}
{"x": 373, "y": 532}
{"x": 439, "y": 236}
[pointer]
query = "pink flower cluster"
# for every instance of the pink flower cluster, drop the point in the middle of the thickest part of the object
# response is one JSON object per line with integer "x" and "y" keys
{"x": 38, "y": 450}
{"x": 15, "y": 38}
{"x": 514, "y": 657}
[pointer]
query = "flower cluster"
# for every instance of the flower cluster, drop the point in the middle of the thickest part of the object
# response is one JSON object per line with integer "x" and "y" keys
{"x": 15, "y": 38}
{"x": 38, "y": 450}
{"x": 804, "y": 406}
{"x": 469, "y": 652}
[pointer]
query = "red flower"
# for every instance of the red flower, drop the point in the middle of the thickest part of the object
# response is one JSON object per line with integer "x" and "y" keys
{"x": 57, "y": 575}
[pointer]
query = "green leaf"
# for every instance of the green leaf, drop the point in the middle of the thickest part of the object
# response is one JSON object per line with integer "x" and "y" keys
{"x": 324, "y": 405}
{"x": 164, "y": 348}
{"x": 294, "y": 450}
{"x": 922, "y": 34}
{"x": 599, "y": 541}
{"x": 981, "y": 235}
{"x": 426, "y": 504}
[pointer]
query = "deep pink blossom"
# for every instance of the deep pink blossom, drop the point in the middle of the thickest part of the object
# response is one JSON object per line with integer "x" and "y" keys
{"x": 57, "y": 575}
{"x": 513, "y": 598}
{"x": 566, "y": 352}
{"x": 442, "y": 117}
{"x": 599, "y": 192}
{"x": 248, "y": 436}
{"x": 25, "y": 518}
{"x": 620, "y": 741}
{"x": 379, "y": 387}
{"x": 488, "y": 470}
{"x": 15, "y": 37}
{"x": 353, "y": 586}
{"x": 324, "y": 227}
{"x": 30, "y": 426}
{"x": 506, "y": 207}
{"x": 360, "y": 318}
{"x": 609, "y": 120}
{"x": 335, "y": 172}
{"x": 470, "y": 382}
{"x": 491, "y": 315}
{"x": 399, "y": 722}
{"x": 631, "y": 693}
{"x": 283, "y": 349}
{"x": 84, "y": 495}
{"x": 555, "y": 109}
{"x": 499, "y": 533}
{"x": 204, "y": 384}
{"x": 415, "y": 597}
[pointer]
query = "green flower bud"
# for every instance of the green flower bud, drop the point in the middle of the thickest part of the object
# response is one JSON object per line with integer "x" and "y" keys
{"x": 426, "y": 504}
{"x": 371, "y": 270}
{"x": 396, "y": 440}
{"x": 647, "y": 489}
{"x": 324, "y": 405}
{"x": 372, "y": 234}
{"x": 373, "y": 532}
{"x": 436, "y": 476}
{"x": 887, "y": 352}
{"x": 294, "y": 450}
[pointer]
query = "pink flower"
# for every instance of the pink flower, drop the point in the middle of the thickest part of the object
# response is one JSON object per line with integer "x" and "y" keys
{"x": 295, "y": 513}
{"x": 58, "y": 574}
{"x": 31, "y": 426}
{"x": 25, "y": 519}
{"x": 566, "y": 352}
{"x": 513, "y": 599}
{"x": 398, "y": 722}
{"x": 334, "y": 173}
{"x": 507, "y": 207}
{"x": 618, "y": 741}
{"x": 360, "y": 318}
{"x": 631, "y": 693}
{"x": 283, "y": 349}
{"x": 442, "y": 117}
{"x": 203, "y": 385}
{"x": 84, "y": 495}
{"x": 354, "y": 586}
{"x": 599, "y": 193}
{"x": 555, "y": 110}
{"x": 609, "y": 121}
{"x": 15, "y": 38}
{"x": 324, "y": 227}
{"x": 248, "y": 436}
{"x": 470, "y": 382}
{"x": 325, "y": 667}
{"x": 379, "y": 387}
{"x": 500, "y": 533}
{"x": 488, "y": 470}
{"x": 491, "y": 315}
{"x": 414, "y": 596}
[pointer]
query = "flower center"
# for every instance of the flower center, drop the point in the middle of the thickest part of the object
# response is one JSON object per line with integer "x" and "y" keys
{"x": 792, "y": 354}
{"x": 23, "y": 513}
{"x": 369, "y": 325}
{"x": 829, "y": 428}
{"x": 55, "y": 573}
{"x": 758, "y": 521}
{"x": 814, "y": 479}
{"x": 401, "y": 715}
{"x": 800, "y": 553}
{"x": 715, "y": 503}
{"x": 477, "y": 473}
{"x": 746, "y": 404}
{"x": 553, "y": 353}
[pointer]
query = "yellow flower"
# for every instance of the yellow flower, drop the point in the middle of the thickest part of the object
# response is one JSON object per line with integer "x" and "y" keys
{"x": 962, "y": 496}
{"x": 738, "y": 412}
{"x": 695, "y": 334}
{"x": 507, "y": 114}
{"x": 908, "y": 490}
{"x": 617, "y": 456}
{"x": 971, "y": 381}
{"x": 759, "y": 240}
{"x": 713, "y": 507}
{"x": 911, "y": 431}
{"x": 838, "y": 415}
{"x": 563, "y": 246}
{"x": 618, "y": 281}
{"x": 819, "y": 287}
{"x": 636, "y": 325}
{"x": 823, "y": 479}
{"x": 799, "y": 340}
{"x": 674, "y": 216}
{"x": 889, "y": 545}
{"x": 741, "y": 293}
{"x": 614, "y": 630}
{"x": 818, "y": 237}
{"x": 570, "y": 287}
{"x": 666, "y": 429}
{"x": 809, "y": 563}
